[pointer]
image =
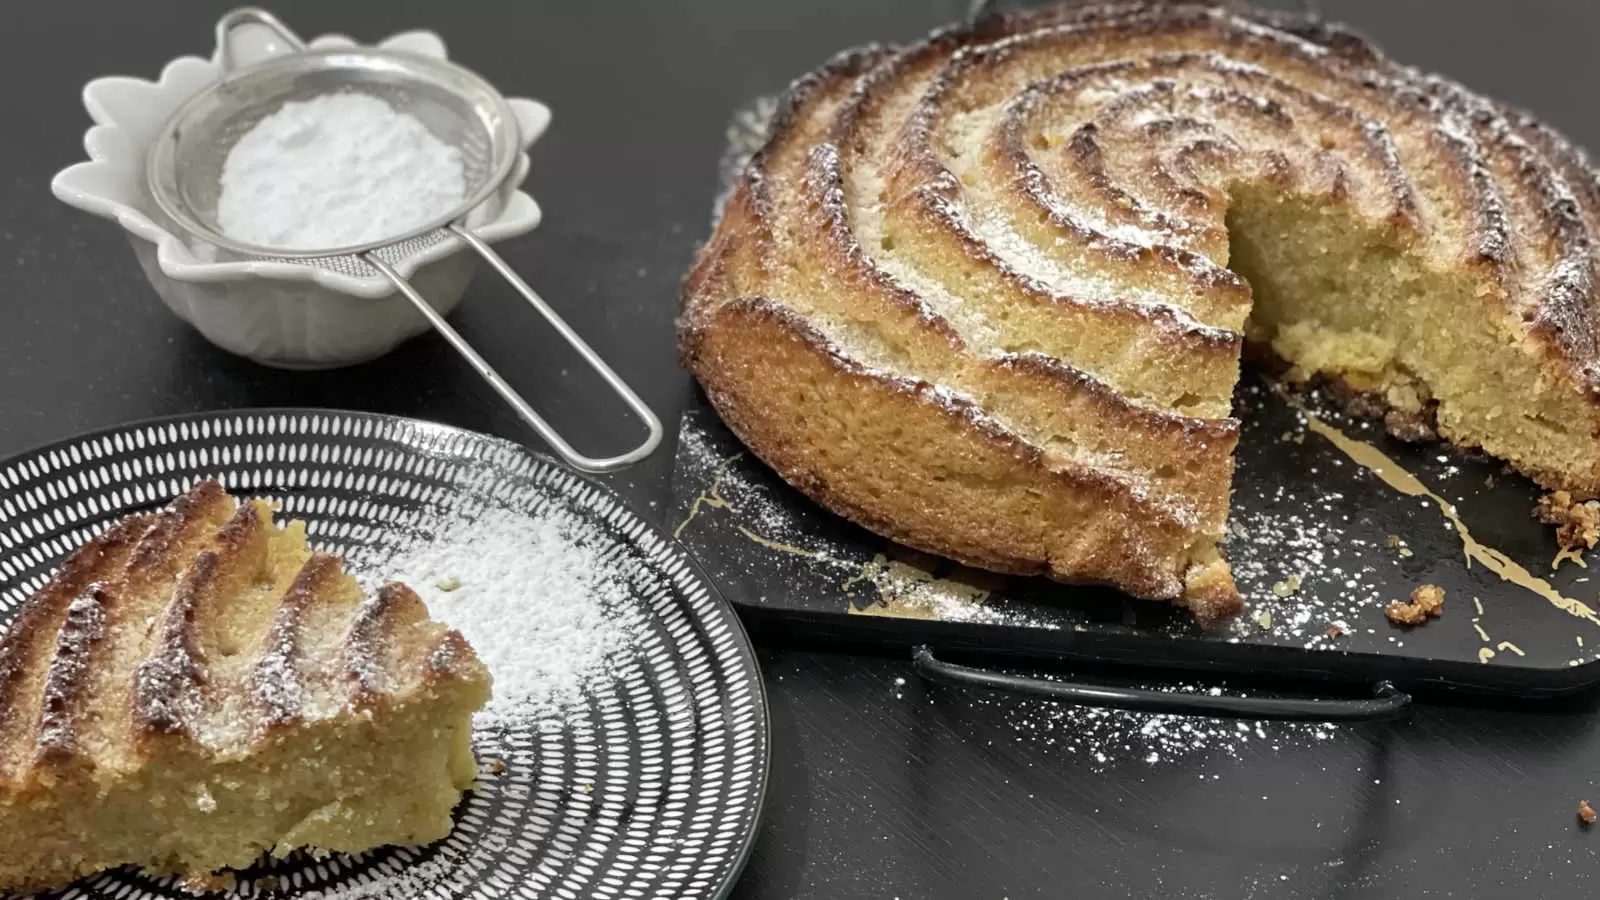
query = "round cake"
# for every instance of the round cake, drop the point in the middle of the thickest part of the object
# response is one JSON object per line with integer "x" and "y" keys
{"x": 986, "y": 295}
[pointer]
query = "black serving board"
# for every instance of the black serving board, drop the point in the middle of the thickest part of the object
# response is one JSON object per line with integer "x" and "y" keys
{"x": 1300, "y": 506}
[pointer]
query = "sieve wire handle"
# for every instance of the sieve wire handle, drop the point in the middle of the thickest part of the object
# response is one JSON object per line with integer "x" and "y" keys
{"x": 535, "y": 421}
{"x": 250, "y": 15}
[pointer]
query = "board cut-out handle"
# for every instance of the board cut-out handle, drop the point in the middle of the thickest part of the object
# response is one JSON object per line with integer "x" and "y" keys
{"x": 1386, "y": 702}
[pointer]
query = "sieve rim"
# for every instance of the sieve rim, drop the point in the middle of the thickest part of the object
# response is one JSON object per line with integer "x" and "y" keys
{"x": 161, "y": 156}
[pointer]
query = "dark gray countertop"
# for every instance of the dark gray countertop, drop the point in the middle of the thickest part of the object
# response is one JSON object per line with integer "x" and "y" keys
{"x": 879, "y": 789}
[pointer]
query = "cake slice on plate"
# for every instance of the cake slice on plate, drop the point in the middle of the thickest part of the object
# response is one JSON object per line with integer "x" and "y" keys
{"x": 197, "y": 686}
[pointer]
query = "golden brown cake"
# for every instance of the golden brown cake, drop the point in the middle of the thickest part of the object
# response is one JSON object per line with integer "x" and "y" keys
{"x": 197, "y": 687}
{"x": 986, "y": 294}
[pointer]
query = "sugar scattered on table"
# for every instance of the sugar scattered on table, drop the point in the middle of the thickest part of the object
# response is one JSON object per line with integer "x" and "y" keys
{"x": 1106, "y": 737}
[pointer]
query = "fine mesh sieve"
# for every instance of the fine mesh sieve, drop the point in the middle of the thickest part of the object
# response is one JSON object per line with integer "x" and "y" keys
{"x": 184, "y": 170}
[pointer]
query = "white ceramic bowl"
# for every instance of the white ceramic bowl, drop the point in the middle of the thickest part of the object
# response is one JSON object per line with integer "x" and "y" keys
{"x": 277, "y": 313}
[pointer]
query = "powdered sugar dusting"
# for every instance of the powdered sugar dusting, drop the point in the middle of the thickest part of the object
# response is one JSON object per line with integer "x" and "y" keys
{"x": 746, "y": 133}
{"x": 85, "y": 624}
{"x": 1104, "y": 737}
{"x": 334, "y": 171}
{"x": 1300, "y": 562}
{"x": 275, "y": 683}
{"x": 532, "y": 590}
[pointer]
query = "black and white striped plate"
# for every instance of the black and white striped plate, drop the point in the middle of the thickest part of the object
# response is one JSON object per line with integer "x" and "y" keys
{"x": 653, "y": 789}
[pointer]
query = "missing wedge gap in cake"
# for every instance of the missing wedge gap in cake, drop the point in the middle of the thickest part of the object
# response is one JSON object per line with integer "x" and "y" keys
{"x": 1425, "y": 350}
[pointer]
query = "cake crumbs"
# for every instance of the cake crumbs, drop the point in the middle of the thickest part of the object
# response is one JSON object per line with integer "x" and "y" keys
{"x": 497, "y": 766}
{"x": 1586, "y": 814}
{"x": 1427, "y": 602}
{"x": 209, "y": 882}
{"x": 1287, "y": 586}
{"x": 1577, "y": 524}
{"x": 1334, "y": 632}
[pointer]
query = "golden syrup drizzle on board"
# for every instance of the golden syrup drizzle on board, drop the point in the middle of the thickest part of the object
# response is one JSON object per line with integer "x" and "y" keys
{"x": 908, "y": 589}
{"x": 905, "y": 588}
{"x": 711, "y": 496}
{"x": 1575, "y": 554}
{"x": 779, "y": 546}
{"x": 1395, "y": 476}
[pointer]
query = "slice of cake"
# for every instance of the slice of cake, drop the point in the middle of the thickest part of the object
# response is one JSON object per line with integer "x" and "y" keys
{"x": 196, "y": 687}
{"x": 986, "y": 294}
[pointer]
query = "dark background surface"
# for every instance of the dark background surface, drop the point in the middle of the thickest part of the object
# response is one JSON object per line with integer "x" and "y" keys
{"x": 879, "y": 789}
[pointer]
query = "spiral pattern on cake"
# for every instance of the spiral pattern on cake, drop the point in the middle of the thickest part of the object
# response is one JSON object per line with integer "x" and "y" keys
{"x": 987, "y": 294}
